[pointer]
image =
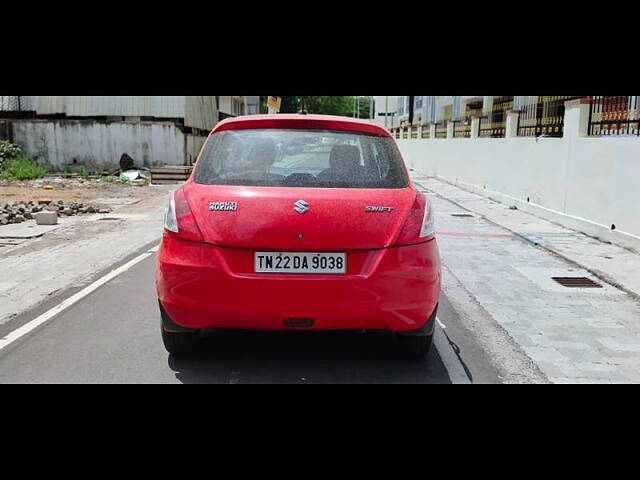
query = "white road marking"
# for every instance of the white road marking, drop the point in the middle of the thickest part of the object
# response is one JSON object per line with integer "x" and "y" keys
{"x": 36, "y": 322}
{"x": 451, "y": 362}
{"x": 154, "y": 249}
{"x": 442, "y": 325}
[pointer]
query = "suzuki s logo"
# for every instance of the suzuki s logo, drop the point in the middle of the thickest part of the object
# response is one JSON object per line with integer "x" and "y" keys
{"x": 301, "y": 206}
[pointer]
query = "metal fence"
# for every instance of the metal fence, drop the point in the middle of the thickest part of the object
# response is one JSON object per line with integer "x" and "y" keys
{"x": 614, "y": 116}
{"x": 542, "y": 116}
{"x": 494, "y": 123}
{"x": 10, "y": 104}
{"x": 441, "y": 130}
{"x": 462, "y": 128}
{"x": 537, "y": 116}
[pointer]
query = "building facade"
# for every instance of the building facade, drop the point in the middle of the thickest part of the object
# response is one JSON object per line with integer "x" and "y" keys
{"x": 453, "y": 116}
{"x": 237, "y": 106}
{"x": 94, "y": 131}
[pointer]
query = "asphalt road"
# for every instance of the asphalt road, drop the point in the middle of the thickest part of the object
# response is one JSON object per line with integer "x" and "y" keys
{"x": 112, "y": 336}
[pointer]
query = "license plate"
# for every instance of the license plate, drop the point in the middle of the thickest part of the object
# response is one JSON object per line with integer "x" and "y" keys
{"x": 299, "y": 262}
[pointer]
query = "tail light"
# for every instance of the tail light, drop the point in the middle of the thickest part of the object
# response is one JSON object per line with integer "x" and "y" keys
{"x": 179, "y": 221}
{"x": 419, "y": 226}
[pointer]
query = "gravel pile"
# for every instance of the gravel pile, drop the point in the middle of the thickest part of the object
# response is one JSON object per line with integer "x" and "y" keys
{"x": 19, "y": 212}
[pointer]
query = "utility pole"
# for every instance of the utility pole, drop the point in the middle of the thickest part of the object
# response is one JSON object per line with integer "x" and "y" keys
{"x": 386, "y": 111}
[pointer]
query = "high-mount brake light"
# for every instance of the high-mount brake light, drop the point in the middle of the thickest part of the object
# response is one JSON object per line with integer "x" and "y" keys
{"x": 179, "y": 220}
{"x": 305, "y": 122}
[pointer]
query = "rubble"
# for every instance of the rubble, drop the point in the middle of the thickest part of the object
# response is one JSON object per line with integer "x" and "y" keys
{"x": 126, "y": 162}
{"x": 46, "y": 218}
{"x": 19, "y": 212}
{"x": 131, "y": 175}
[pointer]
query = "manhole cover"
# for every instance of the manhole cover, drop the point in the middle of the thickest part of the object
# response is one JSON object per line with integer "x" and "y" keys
{"x": 576, "y": 282}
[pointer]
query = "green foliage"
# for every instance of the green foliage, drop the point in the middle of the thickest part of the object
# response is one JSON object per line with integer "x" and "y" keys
{"x": 81, "y": 170}
{"x": 330, "y": 105}
{"x": 15, "y": 165}
{"x": 326, "y": 105}
{"x": 290, "y": 105}
{"x": 8, "y": 150}
{"x": 364, "y": 104}
{"x": 21, "y": 167}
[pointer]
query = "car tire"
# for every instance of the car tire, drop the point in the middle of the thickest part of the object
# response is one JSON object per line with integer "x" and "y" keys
{"x": 415, "y": 346}
{"x": 179, "y": 343}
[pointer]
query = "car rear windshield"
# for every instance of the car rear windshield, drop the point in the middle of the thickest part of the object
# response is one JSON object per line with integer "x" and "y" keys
{"x": 300, "y": 158}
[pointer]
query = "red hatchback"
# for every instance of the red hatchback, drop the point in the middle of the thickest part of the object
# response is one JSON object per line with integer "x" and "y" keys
{"x": 304, "y": 222}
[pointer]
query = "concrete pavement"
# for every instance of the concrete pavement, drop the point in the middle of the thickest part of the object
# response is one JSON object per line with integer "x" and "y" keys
{"x": 76, "y": 249}
{"x": 502, "y": 318}
{"x": 112, "y": 336}
{"x": 572, "y": 335}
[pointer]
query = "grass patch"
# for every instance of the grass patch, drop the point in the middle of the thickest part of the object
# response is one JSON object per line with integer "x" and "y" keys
{"x": 22, "y": 167}
{"x": 80, "y": 170}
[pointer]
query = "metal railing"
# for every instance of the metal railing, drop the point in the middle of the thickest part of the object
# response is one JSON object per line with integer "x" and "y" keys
{"x": 462, "y": 128}
{"x": 426, "y": 131}
{"x": 494, "y": 123}
{"x": 614, "y": 116}
{"x": 542, "y": 117}
{"x": 441, "y": 130}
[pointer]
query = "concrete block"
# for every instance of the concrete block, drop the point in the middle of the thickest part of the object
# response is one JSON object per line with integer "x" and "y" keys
{"x": 46, "y": 218}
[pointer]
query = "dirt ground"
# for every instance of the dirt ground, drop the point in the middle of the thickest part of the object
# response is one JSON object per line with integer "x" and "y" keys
{"x": 73, "y": 190}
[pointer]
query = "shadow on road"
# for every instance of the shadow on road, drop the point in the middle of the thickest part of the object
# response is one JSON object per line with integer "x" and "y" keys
{"x": 236, "y": 356}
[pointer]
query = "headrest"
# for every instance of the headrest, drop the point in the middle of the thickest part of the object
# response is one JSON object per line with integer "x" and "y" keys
{"x": 263, "y": 152}
{"x": 344, "y": 157}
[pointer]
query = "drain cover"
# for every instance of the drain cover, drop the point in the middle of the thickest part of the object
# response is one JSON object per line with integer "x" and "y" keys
{"x": 461, "y": 215}
{"x": 576, "y": 282}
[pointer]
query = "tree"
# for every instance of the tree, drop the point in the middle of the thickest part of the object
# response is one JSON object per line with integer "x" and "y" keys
{"x": 326, "y": 105}
{"x": 330, "y": 105}
{"x": 365, "y": 105}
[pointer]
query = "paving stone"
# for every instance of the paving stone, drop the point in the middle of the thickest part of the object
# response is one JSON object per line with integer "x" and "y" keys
{"x": 575, "y": 336}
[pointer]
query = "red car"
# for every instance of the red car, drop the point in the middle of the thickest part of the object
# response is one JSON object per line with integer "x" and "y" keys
{"x": 298, "y": 222}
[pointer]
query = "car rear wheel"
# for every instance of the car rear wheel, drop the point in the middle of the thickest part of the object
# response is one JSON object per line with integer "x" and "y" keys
{"x": 415, "y": 346}
{"x": 179, "y": 343}
{"x": 176, "y": 339}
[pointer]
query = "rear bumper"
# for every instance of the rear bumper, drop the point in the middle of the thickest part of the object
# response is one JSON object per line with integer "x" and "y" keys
{"x": 204, "y": 286}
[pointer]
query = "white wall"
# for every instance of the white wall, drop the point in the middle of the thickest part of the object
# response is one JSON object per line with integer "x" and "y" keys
{"x": 585, "y": 183}
{"x": 60, "y": 142}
